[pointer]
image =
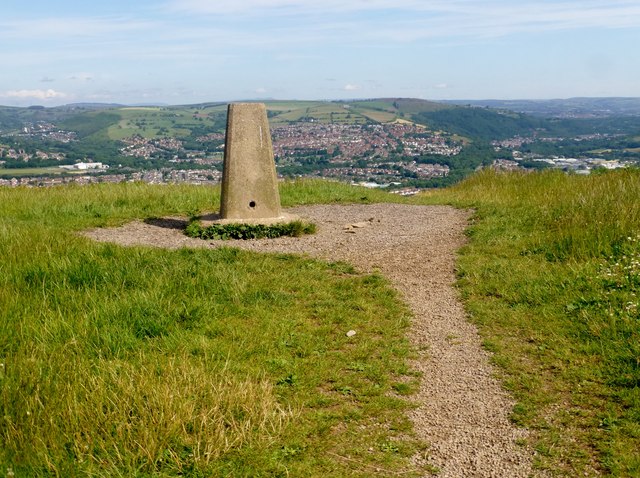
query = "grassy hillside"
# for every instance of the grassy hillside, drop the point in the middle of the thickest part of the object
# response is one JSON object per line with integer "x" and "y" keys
{"x": 118, "y": 122}
{"x": 194, "y": 120}
{"x": 570, "y": 107}
{"x": 147, "y": 122}
{"x": 326, "y": 113}
{"x": 142, "y": 362}
{"x": 480, "y": 123}
{"x": 13, "y": 118}
{"x": 552, "y": 276}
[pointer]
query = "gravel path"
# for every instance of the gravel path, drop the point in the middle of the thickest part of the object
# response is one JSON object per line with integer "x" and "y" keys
{"x": 463, "y": 410}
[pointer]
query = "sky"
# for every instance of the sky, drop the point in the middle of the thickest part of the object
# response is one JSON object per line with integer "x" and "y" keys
{"x": 56, "y": 52}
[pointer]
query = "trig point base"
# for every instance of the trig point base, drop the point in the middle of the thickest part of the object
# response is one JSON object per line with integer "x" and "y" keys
{"x": 249, "y": 180}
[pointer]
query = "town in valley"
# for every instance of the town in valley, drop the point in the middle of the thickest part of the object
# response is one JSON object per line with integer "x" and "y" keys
{"x": 400, "y": 144}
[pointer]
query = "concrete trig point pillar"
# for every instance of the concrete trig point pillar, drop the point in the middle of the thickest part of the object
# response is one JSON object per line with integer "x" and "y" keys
{"x": 249, "y": 180}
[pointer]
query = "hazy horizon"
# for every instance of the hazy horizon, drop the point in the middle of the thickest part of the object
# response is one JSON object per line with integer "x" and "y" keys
{"x": 239, "y": 100}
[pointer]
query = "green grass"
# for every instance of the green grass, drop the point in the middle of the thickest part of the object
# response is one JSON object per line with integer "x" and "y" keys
{"x": 552, "y": 276}
{"x": 146, "y": 362}
{"x": 143, "y": 362}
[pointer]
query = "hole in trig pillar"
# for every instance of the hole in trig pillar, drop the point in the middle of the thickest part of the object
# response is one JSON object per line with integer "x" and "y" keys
{"x": 252, "y": 204}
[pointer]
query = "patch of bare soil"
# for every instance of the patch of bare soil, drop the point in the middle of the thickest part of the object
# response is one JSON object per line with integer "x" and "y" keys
{"x": 463, "y": 410}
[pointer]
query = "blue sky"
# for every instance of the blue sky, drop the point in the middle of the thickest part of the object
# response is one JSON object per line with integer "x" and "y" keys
{"x": 188, "y": 51}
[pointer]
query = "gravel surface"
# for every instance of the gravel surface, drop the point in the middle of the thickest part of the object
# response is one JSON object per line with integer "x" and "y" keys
{"x": 463, "y": 411}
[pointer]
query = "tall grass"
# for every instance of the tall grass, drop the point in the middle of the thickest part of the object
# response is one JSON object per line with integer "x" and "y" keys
{"x": 552, "y": 275}
{"x": 142, "y": 362}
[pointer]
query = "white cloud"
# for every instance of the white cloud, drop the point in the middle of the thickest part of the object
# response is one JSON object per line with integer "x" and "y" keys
{"x": 350, "y": 87}
{"x": 282, "y": 23}
{"x": 286, "y": 7}
{"x": 261, "y": 90}
{"x": 441, "y": 86}
{"x": 450, "y": 18}
{"x": 72, "y": 27}
{"x": 35, "y": 94}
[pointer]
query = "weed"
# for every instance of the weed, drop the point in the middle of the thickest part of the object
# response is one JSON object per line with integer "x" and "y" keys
{"x": 403, "y": 388}
{"x": 389, "y": 447}
{"x": 249, "y": 231}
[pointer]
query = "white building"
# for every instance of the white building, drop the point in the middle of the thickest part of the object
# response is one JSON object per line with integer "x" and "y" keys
{"x": 85, "y": 166}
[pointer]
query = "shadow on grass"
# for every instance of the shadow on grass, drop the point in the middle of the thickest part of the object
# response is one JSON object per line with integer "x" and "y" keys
{"x": 167, "y": 222}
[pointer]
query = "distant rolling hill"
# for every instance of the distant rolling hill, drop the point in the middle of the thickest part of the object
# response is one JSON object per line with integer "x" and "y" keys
{"x": 116, "y": 122}
{"x": 563, "y": 108}
{"x": 481, "y": 123}
{"x": 197, "y": 120}
{"x": 494, "y": 120}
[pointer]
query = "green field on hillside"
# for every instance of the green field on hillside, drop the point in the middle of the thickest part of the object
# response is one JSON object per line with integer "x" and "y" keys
{"x": 19, "y": 172}
{"x": 375, "y": 115}
{"x": 376, "y": 105}
{"x": 149, "y": 123}
{"x": 327, "y": 113}
{"x": 292, "y": 105}
{"x": 401, "y": 106}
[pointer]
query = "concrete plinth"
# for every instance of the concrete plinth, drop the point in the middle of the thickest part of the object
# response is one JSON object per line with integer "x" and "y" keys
{"x": 249, "y": 180}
